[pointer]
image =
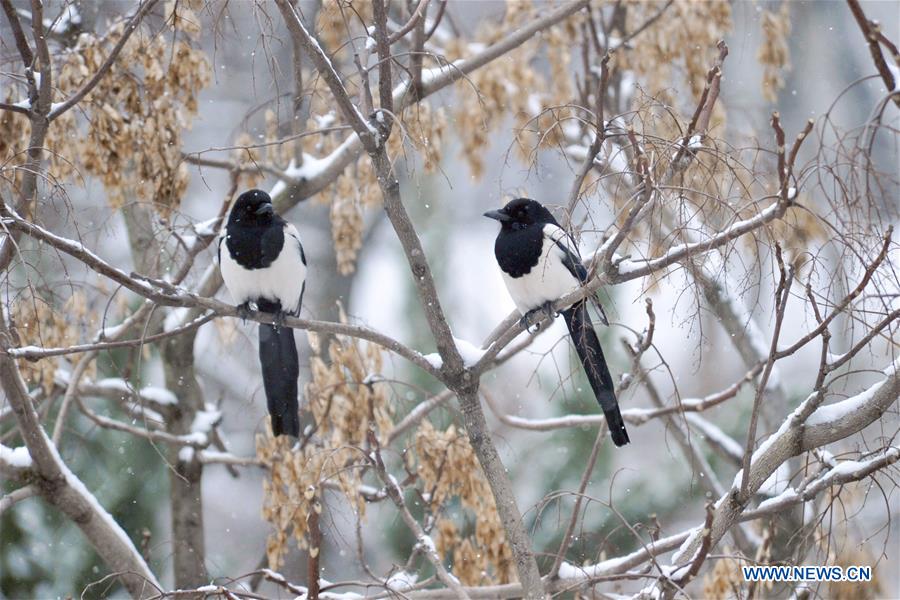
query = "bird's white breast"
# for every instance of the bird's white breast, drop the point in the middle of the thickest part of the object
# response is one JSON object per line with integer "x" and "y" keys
{"x": 282, "y": 280}
{"x": 547, "y": 281}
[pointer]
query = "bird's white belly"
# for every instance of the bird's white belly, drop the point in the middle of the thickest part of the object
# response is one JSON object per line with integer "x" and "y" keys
{"x": 547, "y": 281}
{"x": 281, "y": 281}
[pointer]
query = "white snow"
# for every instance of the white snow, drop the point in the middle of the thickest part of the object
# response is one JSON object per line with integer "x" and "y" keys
{"x": 469, "y": 352}
{"x": 826, "y": 457}
{"x": 207, "y": 227}
{"x": 429, "y": 75}
{"x": 615, "y": 157}
{"x": 158, "y": 395}
{"x": 846, "y": 468}
{"x": 851, "y": 468}
{"x": 786, "y": 498}
{"x": 273, "y": 575}
{"x": 435, "y": 360}
{"x": 571, "y": 130}
{"x": 206, "y": 419}
{"x": 311, "y": 168}
{"x": 402, "y": 581}
{"x": 833, "y": 413}
{"x": 675, "y": 571}
{"x": 570, "y": 572}
{"x": 18, "y": 457}
{"x": 535, "y": 106}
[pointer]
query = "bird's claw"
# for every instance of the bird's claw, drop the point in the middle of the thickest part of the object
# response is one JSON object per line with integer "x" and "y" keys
{"x": 547, "y": 308}
{"x": 525, "y": 321}
{"x": 527, "y": 318}
{"x": 243, "y": 311}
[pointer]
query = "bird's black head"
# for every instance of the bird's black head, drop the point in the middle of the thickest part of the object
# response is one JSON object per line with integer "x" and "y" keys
{"x": 253, "y": 207}
{"x": 521, "y": 213}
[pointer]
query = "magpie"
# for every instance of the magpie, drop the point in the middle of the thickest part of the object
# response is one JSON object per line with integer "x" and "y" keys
{"x": 262, "y": 262}
{"x": 540, "y": 264}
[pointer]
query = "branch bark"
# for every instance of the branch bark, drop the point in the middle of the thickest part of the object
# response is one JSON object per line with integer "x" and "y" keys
{"x": 507, "y": 507}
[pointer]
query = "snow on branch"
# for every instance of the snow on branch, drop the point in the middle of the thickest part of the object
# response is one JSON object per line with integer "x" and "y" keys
{"x": 805, "y": 429}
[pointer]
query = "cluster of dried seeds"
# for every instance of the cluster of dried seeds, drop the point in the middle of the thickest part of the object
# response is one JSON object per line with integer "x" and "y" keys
{"x": 774, "y": 53}
{"x": 344, "y": 402}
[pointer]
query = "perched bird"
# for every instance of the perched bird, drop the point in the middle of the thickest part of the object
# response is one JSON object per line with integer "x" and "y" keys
{"x": 262, "y": 262}
{"x": 540, "y": 264}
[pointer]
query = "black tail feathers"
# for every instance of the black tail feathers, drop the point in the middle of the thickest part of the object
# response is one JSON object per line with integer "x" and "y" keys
{"x": 280, "y": 370}
{"x": 591, "y": 354}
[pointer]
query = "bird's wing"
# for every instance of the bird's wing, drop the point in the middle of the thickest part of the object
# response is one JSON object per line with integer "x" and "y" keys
{"x": 568, "y": 250}
{"x": 293, "y": 235}
{"x": 571, "y": 259}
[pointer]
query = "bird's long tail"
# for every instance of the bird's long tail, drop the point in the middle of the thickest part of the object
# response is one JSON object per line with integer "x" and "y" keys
{"x": 591, "y": 354}
{"x": 280, "y": 370}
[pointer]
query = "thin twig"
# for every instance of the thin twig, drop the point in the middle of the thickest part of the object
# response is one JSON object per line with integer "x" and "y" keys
{"x": 422, "y": 539}
{"x": 781, "y": 294}
{"x": 579, "y": 498}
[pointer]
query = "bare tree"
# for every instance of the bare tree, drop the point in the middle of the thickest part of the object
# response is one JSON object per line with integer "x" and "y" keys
{"x": 804, "y": 216}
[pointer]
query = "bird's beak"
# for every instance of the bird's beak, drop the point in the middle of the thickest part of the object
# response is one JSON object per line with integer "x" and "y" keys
{"x": 265, "y": 209}
{"x": 499, "y": 215}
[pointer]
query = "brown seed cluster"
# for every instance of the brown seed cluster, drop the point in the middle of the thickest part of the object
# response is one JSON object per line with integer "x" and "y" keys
{"x": 774, "y": 54}
{"x": 344, "y": 403}
{"x": 676, "y": 49}
{"x": 724, "y": 580}
{"x": 448, "y": 469}
{"x": 346, "y": 231}
{"x": 37, "y": 322}
{"x": 128, "y": 129}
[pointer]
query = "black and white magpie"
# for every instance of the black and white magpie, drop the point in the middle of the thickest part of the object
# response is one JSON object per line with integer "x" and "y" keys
{"x": 262, "y": 262}
{"x": 540, "y": 264}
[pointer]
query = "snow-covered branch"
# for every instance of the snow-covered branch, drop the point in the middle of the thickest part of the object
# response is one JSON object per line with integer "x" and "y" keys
{"x": 61, "y": 488}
